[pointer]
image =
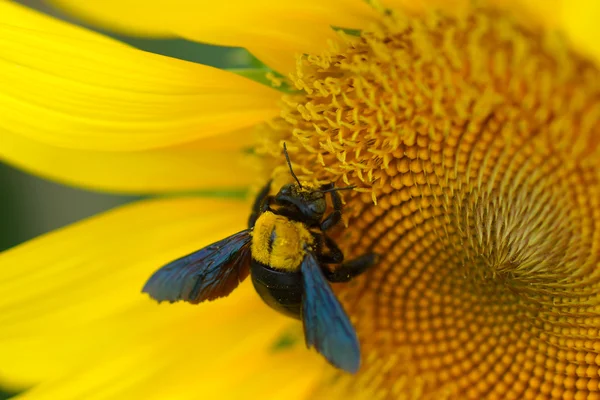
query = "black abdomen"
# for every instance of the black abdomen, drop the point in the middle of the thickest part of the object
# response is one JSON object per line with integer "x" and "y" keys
{"x": 281, "y": 290}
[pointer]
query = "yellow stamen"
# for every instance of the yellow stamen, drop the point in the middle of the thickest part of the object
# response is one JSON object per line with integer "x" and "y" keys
{"x": 474, "y": 146}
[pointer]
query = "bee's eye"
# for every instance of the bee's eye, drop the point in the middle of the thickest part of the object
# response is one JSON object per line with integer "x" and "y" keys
{"x": 285, "y": 190}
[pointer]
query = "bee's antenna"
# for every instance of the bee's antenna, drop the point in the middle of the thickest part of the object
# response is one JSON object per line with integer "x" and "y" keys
{"x": 289, "y": 163}
{"x": 335, "y": 189}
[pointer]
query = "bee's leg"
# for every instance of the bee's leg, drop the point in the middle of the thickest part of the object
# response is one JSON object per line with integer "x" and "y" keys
{"x": 350, "y": 269}
{"x": 333, "y": 255}
{"x": 261, "y": 204}
{"x": 335, "y": 217}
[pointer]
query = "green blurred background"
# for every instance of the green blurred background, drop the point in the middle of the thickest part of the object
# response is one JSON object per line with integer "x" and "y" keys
{"x": 30, "y": 206}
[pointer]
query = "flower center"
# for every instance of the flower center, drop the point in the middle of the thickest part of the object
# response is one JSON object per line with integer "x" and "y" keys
{"x": 474, "y": 145}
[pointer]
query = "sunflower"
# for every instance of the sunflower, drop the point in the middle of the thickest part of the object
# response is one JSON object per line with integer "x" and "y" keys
{"x": 470, "y": 130}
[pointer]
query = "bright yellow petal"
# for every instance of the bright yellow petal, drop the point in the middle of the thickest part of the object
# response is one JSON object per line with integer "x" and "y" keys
{"x": 213, "y": 163}
{"x": 279, "y": 29}
{"x": 280, "y": 60}
{"x": 73, "y": 317}
{"x": 67, "y": 87}
{"x": 577, "y": 19}
{"x": 424, "y": 5}
{"x": 285, "y": 25}
{"x": 223, "y": 349}
{"x": 96, "y": 268}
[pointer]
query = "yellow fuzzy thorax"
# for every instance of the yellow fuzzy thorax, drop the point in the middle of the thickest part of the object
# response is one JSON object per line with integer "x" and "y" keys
{"x": 279, "y": 242}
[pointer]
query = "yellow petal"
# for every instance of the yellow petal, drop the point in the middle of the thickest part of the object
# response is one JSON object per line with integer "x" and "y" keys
{"x": 577, "y": 19}
{"x": 213, "y": 163}
{"x": 73, "y": 317}
{"x": 279, "y": 60}
{"x": 279, "y": 29}
{"x": 424, "y": 5}
{"x": 223, "y": 349}
{"x": 67, "y": 87}
{"x": 96, "y": 268}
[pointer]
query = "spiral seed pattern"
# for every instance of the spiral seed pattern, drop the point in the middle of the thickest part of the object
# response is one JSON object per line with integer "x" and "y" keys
{"x": 474, "y": 146}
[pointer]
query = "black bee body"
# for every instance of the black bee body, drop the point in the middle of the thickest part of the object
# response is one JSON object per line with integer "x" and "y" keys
{"x": 286, "y": 250}
{"x": 280, "y": 290}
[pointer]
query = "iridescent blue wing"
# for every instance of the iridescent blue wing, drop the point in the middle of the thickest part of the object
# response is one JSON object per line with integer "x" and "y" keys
{"x": 326, "y": 324}
{"x": 206, "y": 274}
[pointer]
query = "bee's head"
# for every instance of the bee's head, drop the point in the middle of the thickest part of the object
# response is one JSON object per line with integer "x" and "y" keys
{"x": 304, "y": 201}
{"x": 307, "y": 201}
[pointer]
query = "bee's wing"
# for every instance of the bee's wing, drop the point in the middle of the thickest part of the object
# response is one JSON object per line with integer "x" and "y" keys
{"x": 326, "y": 324}
{"x": 206, "y": 274}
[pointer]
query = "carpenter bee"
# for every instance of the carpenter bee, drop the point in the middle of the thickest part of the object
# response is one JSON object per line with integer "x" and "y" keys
{"x": 285, "y": 250}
